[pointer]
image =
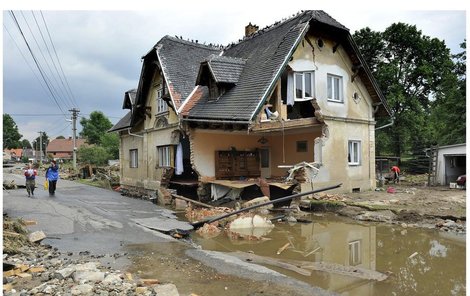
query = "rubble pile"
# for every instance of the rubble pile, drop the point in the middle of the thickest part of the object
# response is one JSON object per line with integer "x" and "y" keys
{"x": 34, "y": 269}
{"x": 198, "y": 214}
{"x": 452, "y": 226}
{"x": 208, "y": 230}
{"x": 329, "y": 197}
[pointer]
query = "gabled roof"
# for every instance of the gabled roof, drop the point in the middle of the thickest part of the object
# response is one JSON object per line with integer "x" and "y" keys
{"x": 129, "y": 99}
{"x": 180, "y": 61}
{"x": 123, "y": 123}
{"x": 224, "y": 69}
{"x": 266, "y": 54}
{"x": 63, "y": 145}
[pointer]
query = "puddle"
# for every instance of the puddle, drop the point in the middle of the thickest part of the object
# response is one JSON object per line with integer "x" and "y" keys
{"x": 416, "y": 261}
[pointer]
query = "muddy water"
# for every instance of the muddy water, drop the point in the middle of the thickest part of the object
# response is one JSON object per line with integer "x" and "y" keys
{"x": 417, "y": 261}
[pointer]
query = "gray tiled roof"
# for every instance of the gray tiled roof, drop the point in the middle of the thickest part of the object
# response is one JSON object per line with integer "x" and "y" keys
{"x": 265, "y": 52}
{"x": 129, "y": 99}
{"x": 180, "y": 61}
{"x": 123, "y": 123}
{"x": 225, "y": 69}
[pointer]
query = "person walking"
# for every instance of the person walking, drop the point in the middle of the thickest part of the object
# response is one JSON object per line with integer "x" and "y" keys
{"x": 396, "y": 174}
{"x": 30, "y": 173}
{"x": 52, "y": 175}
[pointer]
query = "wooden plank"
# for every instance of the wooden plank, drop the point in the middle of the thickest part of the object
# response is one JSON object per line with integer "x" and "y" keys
{"x": 192, "y": 201}
{"x": 270, "y": 261}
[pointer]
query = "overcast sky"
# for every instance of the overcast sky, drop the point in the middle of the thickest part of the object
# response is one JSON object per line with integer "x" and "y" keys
{"x": 100, "y": 51}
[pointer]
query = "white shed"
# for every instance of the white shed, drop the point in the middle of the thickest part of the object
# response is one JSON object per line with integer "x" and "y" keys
{"x": 451, "y": 163}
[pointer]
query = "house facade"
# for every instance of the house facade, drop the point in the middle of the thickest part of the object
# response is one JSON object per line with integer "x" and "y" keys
{"x": 297, "y": 91}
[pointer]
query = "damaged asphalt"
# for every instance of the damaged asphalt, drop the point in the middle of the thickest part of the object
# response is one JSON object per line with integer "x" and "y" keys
{"x": 82, "y": 218}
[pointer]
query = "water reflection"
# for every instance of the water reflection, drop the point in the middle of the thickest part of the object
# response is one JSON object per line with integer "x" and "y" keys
{"x": 418, "y": 262}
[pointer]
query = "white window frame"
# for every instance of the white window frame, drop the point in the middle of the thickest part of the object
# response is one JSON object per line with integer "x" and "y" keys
{"x": 162, "y": 106}
{"x": 333, "y": 94}
{"x": 354, "y": 152}
{"x": 312, "y": 83}
{"x": 355, "y": 252}
{"x": 164, "y": 156}
{"x": 133, "y": 158}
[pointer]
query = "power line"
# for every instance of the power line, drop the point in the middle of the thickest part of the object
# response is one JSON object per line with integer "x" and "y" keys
{"x": 59, "y": 95}
{"x": 12, "y": 14}
{"x": 63, "y": 89}
{"x": 58, "y": 60}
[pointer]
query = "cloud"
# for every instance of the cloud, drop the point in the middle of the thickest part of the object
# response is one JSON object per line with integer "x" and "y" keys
{"x": 100, "y": 51}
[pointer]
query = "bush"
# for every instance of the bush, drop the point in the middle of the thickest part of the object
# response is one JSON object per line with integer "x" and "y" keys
{"x": 94, "y": 155}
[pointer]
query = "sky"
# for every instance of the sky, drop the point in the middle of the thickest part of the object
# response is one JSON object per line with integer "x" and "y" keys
{"x": 98, "y": 51}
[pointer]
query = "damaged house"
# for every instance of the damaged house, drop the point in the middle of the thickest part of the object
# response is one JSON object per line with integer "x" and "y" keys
{"x": 296, "y": 91}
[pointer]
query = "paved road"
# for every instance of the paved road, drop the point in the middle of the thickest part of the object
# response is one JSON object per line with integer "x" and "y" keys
{"x": 85, "y": 218}
{"x": 81, "y": 217}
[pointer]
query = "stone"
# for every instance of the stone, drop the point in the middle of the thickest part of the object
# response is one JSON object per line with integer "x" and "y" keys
{"x": 83, "y": 289}
{"x": 88, "y": 276}
{"x": 36, "y": 236}
{"x": 36, "y": 269}
{"x": 112, "y": 279}
{"x": 180, "y": 204}
{"x": 64, "y": 272}
{"x": 141, "y": 290}
{"x": 166, "y": 290}
{"x": 149, "y": 282}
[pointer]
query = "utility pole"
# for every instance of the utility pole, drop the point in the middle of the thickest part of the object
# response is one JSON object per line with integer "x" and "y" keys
{"x": 40, "y": 147}
{"x": 75, "y": 112}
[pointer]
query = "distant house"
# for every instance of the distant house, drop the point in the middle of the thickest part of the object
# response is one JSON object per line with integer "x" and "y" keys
{"x": 297, "y": 91}
{"x": 63, "y": 148}
{"x": 14, "y": 154}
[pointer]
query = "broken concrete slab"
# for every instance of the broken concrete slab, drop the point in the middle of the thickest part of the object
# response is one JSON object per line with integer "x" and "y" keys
{"x": 163, "y": 224}
{"x": 166, "y": 290}
{"x": 36, "y": 236}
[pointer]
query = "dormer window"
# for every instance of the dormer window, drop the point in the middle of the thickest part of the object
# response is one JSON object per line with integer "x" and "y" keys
{"x": 304, "y": 86}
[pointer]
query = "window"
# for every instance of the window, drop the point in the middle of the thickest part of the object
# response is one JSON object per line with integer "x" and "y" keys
{"x": 301, "y": 146}
{"x": 164, "y": 156}
{"x": 133, "y": 157}
{"x": 354, "y": 152}
{"x": 304, "y": 86}
{"x": 355, "y": 253}
{"x": 335, "y": 88}
{"x": 162, "y": 106}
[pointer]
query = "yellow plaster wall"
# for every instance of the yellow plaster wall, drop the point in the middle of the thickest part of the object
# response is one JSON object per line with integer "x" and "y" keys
{"x": 323, "y": 61}
{"x": 206, "y": 143}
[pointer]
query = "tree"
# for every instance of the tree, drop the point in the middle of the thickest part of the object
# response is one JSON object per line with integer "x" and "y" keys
{"x": 60, "y": 137}
{"x": 448, "y": 116}
{"x": 110, "y": 142}
{"x": 26, "y": 144}
{"x": 410, "y": 68}
{"x": 11, "y": 135}
{"x": 93, "y": 155}
{"x": 45, "y": 141}
{"x": 95, "y": 127}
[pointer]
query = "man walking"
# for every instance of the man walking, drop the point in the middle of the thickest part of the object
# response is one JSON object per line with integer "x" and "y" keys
{"x": 30, "y": 175}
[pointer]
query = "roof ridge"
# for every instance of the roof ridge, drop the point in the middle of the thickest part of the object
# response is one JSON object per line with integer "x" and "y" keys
{"x": 192, "y": 43}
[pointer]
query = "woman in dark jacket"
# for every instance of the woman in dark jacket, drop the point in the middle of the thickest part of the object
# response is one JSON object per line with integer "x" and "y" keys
{"x": 52, "y": 175}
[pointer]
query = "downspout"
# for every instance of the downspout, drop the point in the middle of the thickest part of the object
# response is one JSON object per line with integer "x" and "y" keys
{"x": 387, "y": 125}
{"x": 134, "y": 135}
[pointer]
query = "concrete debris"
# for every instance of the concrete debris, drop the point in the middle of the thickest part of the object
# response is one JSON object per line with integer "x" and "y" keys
{"x": 257, "y": 201}
{"x": 303, "y": 172}
{"x": 208, "y": 230}
{"x": 329, "y": 197}
{"x": 249, "y": 227}
{"x": 36, "y": 236}
{"x": 198, "y": 214}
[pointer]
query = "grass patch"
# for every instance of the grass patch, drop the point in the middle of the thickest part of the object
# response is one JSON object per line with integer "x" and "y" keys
{"x": 97, "y": 183}
{"x": 324, "y": 205}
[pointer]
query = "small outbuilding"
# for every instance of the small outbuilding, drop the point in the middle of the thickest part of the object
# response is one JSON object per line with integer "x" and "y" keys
{"x": 449, "y": 162}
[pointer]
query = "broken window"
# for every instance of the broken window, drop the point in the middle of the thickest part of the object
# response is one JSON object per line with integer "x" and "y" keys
{"x": 165, "y": 156}
{"x": 355, "y": 253}
{"x": 335, "y": 88}
{"x": 133, "y": 158}
{"x": 301, "y": 146}
{"x": 354, "y": 152}
{"x": 304, "y": 86}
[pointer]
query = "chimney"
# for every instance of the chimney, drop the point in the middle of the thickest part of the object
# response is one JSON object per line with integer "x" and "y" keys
{"x": 250, "y": 29}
